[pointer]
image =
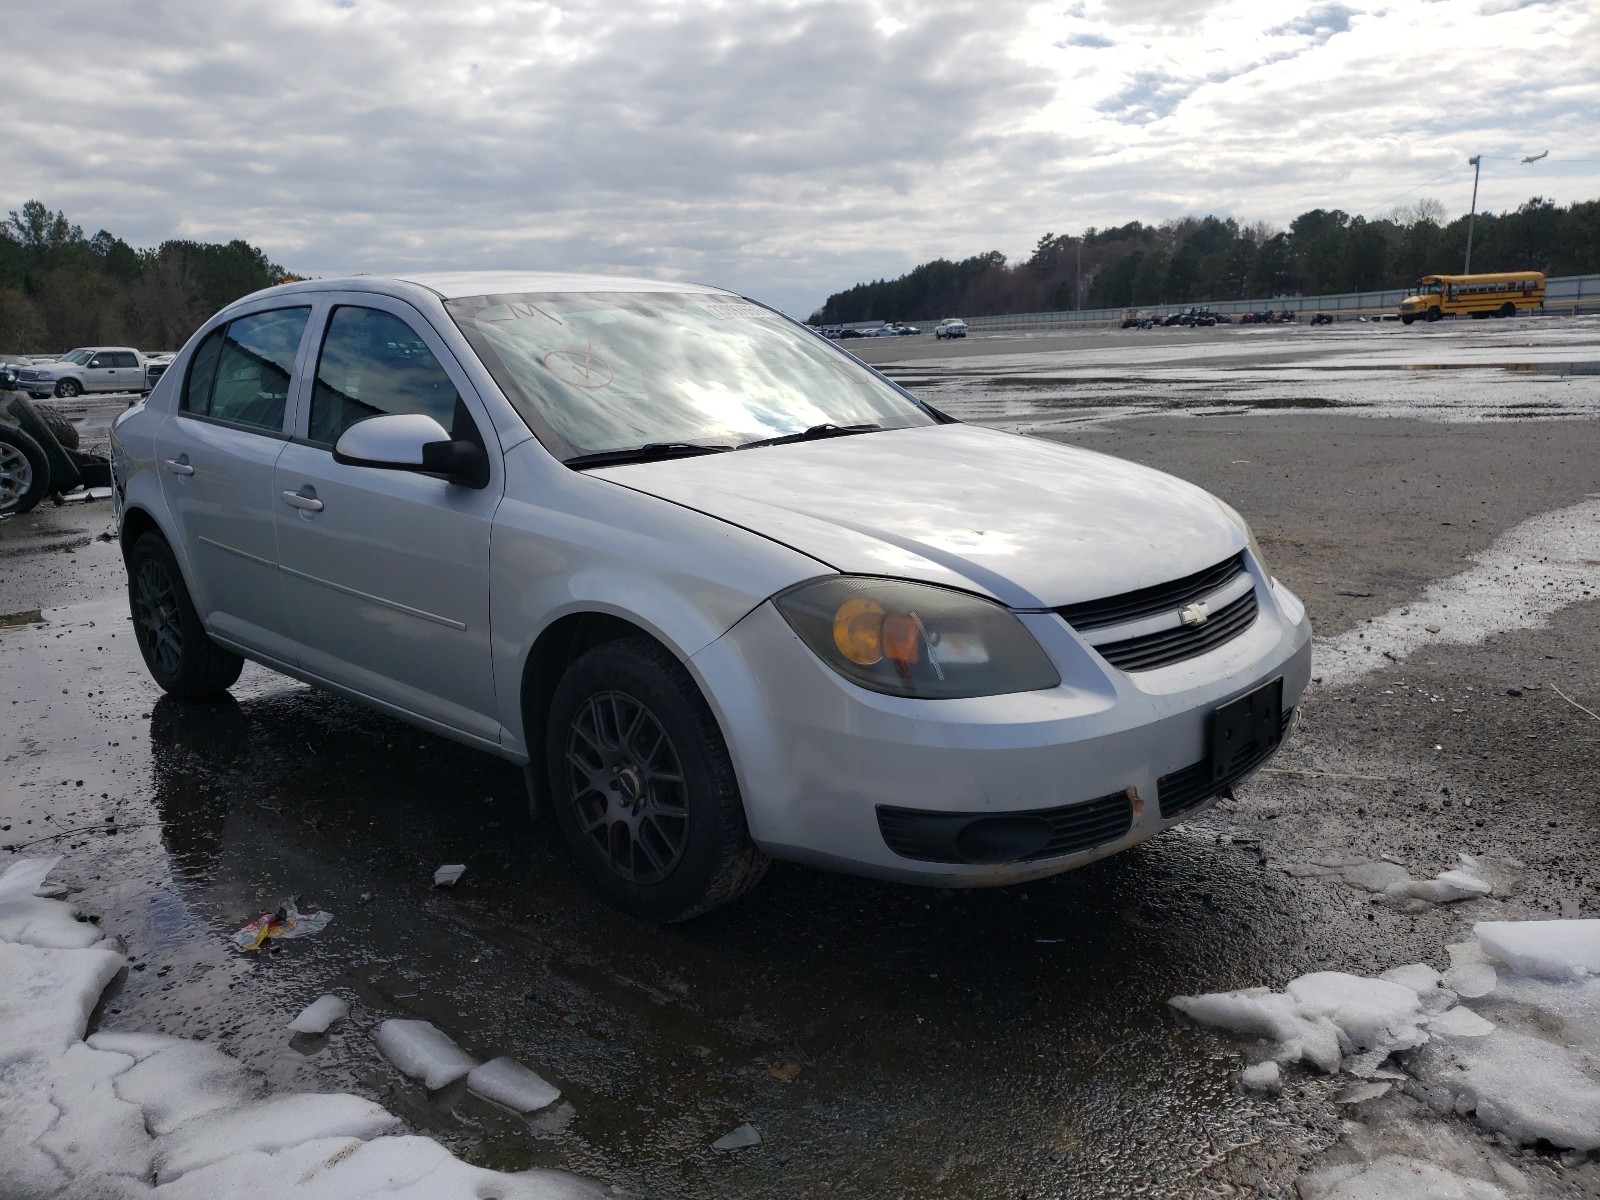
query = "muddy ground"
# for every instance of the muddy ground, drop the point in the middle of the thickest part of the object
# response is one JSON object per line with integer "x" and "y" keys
{"x": 885, "y": 1041}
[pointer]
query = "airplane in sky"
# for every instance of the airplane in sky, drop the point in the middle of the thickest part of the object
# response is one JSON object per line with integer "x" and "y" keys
{"x": 1536, "y": 157}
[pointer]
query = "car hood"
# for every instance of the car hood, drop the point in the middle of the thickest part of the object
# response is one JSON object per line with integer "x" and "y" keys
{"x": 1034, "y": 524}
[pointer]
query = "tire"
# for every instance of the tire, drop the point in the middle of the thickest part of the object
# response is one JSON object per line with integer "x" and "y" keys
{"x": 181, "y": 657}
{"x": 63, "y": 430}
{"x": 1406, "y": 319}
{"x": 665, "y": 838}
{"x": 24, "y": 471}
{"x": 1507, "y": 309}
{"x": 68, "y": 389}
{"x": 1434, "y": 314}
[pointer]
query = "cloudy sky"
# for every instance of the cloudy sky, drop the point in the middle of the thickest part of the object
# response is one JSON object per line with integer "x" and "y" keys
{"x": 786, "y": 148}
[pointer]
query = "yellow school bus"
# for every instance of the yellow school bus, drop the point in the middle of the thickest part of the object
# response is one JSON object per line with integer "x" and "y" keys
{"x": 1500, "y": 295}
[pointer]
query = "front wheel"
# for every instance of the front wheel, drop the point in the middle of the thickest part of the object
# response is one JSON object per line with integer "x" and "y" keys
{"x": 642, "y": 785}
{"x": 1507, "y": 309}
{"x": 1434, "y": 314}
{"x": 180, "y": 655}
{"x": 24, "y": 471}
{"x": 67, "y": 389}
{"x": 1406, "y": 318}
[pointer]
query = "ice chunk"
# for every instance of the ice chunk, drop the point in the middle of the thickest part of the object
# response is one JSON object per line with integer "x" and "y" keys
{"x": 268, "y": 1125}
{"x": 1426, "y": 982}
{"x": 46, "y": 997}
{"x": 1544, "y": 949}
{"x": 449, "y": 875}
{"x": 1394, "y": 1177}
{"x": 1471, "y": 980}
{"x": 1376, "y": 876}
{"x": 1263, "y": 1077}
{"x": 1273, "y": 1016}
{"x": 319, "y": 1014}
{"x": 1360, "y": 1093}
{"x": 23, "y": 875}
{"x": 1522, "y": 1086}
{"x": 1442, "y": 889}
{"x": 1258, "y": 1012}
{"x": 1460, "y": 1022}
{"x": 1466, "y": 954}
{"x": 741, "y": 1138}
{"x": 1373, "y": 1014}
{"x": 423, "y": 1052}
{"x": 508, "y": 1082}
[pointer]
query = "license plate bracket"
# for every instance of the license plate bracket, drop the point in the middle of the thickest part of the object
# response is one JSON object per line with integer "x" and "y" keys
{"x": 1246, "y": 730}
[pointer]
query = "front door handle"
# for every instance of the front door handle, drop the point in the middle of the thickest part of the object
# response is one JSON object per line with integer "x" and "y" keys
{"x": 179, "y": 466}
{"x": 301, "y": 501}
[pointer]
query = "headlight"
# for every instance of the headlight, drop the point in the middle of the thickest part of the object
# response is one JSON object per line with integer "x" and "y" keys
{"x": 1255, "y": 546}
{"x": 44, "y": 377}
{"x": 913, "y": 639}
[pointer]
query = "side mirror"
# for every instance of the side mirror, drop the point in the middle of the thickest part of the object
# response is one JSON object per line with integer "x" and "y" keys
{"x": 412, "y": 442}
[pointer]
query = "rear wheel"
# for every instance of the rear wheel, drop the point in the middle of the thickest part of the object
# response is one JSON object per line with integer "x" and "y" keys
{"x": 24, "y": 471}
{"x": 67, "y": 389}
{"x": 180, "y": 655}
{"x": 642, "y": 785}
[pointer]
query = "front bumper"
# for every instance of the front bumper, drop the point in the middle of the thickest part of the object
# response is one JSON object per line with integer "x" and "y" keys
{"x": 820, "y": 760}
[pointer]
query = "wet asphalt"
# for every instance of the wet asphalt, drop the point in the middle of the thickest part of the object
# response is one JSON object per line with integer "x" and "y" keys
{"x": 885, "y": 1041}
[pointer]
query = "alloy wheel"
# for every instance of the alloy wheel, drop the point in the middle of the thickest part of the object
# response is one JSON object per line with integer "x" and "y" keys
{"x": 16, "y": 475}
{"x": 627, "y": 787}
{"x": 155, "y": 616}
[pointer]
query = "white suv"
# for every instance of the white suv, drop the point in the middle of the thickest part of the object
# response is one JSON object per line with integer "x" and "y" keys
{"x": 725, "y": 591}
{"x": 951, "y": 328}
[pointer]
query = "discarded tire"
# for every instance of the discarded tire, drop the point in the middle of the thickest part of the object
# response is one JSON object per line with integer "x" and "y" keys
{"x": 63, "y": 430}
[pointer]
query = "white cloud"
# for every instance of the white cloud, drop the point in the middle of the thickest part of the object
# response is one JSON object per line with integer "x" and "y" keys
{"x": 785, "y": 147}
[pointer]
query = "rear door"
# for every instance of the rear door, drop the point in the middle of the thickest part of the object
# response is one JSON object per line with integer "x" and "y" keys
{"x": 216, "y": 451}
{"x": 385, "y": 573}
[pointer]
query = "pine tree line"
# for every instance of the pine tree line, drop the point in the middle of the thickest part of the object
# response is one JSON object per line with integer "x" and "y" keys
{"x": 59, "y": 289}
{"x": 1212, "y": 258}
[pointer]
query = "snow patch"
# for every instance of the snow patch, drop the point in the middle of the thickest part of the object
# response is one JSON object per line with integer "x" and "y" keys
{"x": 1530, "y": 572}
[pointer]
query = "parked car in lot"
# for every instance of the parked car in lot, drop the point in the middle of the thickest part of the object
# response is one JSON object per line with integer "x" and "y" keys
{"x": 86, "y": 369}
{"x": 847, "y": 333}
{"x": 951, "y": 327}
{"x": 1322, "y": 318}
{"x": 755, "y": 603}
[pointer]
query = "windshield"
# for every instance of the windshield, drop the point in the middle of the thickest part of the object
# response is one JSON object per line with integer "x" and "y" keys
{"x": 593, "y": 371}
{"x": 1429, "y": 289}
{"x": 76, "y": 357}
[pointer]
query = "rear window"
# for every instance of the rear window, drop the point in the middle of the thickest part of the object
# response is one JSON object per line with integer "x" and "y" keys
{"x": 240, "y": 373}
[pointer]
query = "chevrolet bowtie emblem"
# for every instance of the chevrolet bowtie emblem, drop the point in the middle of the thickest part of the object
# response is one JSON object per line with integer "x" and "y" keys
{"x": 1196, "y": 614}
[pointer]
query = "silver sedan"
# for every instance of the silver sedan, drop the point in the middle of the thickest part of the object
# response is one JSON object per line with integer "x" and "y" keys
{"x": 726, "y": 593}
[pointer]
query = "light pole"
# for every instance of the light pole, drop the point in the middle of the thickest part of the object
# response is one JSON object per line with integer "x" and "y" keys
{"x": 1472, "y": 217}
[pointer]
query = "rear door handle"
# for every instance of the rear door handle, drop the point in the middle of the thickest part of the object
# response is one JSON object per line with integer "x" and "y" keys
{"x": 179, "y": 466}
{"x": 307, "y": 503}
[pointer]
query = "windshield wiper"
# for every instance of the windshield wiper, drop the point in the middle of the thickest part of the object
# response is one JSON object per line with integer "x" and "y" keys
{"x": 649, "y": 452}
{"x": 815, "y": 433}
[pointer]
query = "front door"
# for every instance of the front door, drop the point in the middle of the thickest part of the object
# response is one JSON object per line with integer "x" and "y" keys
{"x": 216, "y": 453}
{"x": 385, "y": 573}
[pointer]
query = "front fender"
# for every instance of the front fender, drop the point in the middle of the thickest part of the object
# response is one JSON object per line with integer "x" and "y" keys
{"x": 567, "y": 543}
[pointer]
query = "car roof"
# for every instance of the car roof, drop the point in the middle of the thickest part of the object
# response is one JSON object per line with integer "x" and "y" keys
{"x": 451, "y": 285}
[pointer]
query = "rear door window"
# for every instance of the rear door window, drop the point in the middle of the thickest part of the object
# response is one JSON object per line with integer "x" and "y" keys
{"x": 240, "y": 373}
{"x": 373, "y": 364}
